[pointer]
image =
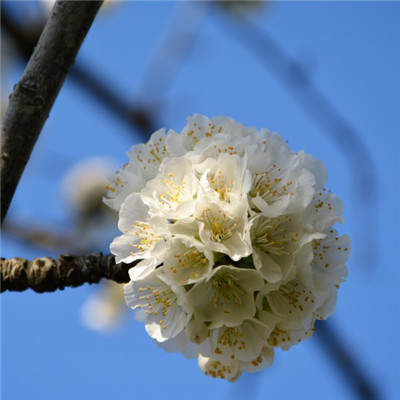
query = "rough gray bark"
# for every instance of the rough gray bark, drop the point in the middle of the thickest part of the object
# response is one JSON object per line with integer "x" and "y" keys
{"x": 47, "y": 274}
{"x": 35, "y": 93}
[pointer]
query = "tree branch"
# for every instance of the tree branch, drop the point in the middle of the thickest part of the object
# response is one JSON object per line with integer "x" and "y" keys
{"x": 318, "y": 106}
{"x": 48, "y": 237}
{"x": 176, "y": 43}
{"x": 355, "y": 375}
{"x": 308, "y": 95}
{"x": 139, "y": 118}
{"x": 47, "y": 274}
{"x": 34, "y": 95}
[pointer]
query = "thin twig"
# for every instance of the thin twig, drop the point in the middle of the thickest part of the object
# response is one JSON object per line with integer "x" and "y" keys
{"x": 140, "y": 119}
{"x": 177, "y": 41}
{"x": 47, "y": 274}
{"x": 49, "y": 238}
{"x": 35, "y": 93}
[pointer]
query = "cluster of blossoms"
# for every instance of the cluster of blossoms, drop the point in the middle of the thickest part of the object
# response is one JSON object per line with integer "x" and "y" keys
{"x": 234, "y": 233}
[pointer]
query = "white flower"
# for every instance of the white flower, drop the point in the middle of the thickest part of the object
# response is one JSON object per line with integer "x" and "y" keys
{"x": 324, "y": 210}
{"x": 197, "y": 331}
{"x": 234, "y": 235}
{"x": 104, "y": 310}
{"x": 287, "y": 333}
{"x": 227, "y": 297}
{"x": 327, "y": 270}
{"x": 263, "y": 360}
{"x": 275, "y": 242}
{"x": 145, "y": 159}
{"x": 85, "y": 184}
{"x": 187, "y": 261}
{"x": 162, "y": 305}
{"x": 225, "y": 178}
{"x": 179, "y": 344}
{"x": 140, "y": 240}
{"x": 281, "y": 183}
{"x": 216, "y": 369}
{"x": 199, "y": 127}
{"x": 224, "y": 229}
{"x": 125, "y": 182}
{"x": 293, "y": 301}
{"x": 172, "y": 193}
{"x": 243, "y": 342}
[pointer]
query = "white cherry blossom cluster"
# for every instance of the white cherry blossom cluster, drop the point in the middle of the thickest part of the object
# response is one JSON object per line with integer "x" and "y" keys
{"x": 234, "y": 235}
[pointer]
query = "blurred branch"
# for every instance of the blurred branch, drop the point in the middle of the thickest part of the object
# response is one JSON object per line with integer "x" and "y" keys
{"x": 357, "y": 155}
{"x": 308, "y": 95}
{"x": 47, "y": 274}
{"x": 35, "y": 93}
{"x": 346, "y": 363}
{"x": 295, "y": 77}
{"x": 33, "y": 233}
{"x": 25, "y": 39}
{"x": 178, "y": 40}
{"x": 139, "y": 118}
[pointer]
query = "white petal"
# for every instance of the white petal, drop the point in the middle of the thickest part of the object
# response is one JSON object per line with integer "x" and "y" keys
{"x": 243, "y": 342}
{"x": 179, "y": 343}
{"x": 264, "y": 360}
{"x": 121, "y": 247}
{"x": 324, "y": 211}
{"x": 174, "y": 144}
{"x": 126, "y": 181}
{"x": 224, "y": 229}
{"x": 293, "y": 301}
{"x": 316, "y": 167}
{"x": 142, "y": 269}
{"x": 197, "y": 331}
{"x": 270, "y": 270}
{"x": 227, "y": 298}
{"x": 133, "y": 209}
{"x": 187, "y": 261}
{"x": 148, "y": 157}
{"x": 216, "y": 369}
{"x": 162, "y": 304}
{"x": 172, "y": 193}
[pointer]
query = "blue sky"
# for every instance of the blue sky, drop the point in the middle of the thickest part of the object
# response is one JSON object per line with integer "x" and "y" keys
{"x": 351, "y": 51}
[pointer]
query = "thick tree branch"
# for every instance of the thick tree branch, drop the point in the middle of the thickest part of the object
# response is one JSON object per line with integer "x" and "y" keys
{"x": 47, "y": 274}
{"x": 35, "y": 93}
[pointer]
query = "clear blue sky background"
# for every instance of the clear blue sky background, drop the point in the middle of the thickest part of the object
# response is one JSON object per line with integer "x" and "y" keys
{"x": 351, "y": 50}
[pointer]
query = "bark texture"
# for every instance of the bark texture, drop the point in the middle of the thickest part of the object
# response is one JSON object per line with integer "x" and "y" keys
{"x": 47, "y": 274}
{"x": 34, "y": 95}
